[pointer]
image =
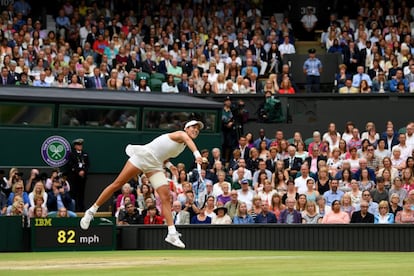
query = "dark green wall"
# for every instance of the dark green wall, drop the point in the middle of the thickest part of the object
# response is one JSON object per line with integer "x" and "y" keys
{"x": 327, "y": 237}
{"x": 11, "y": 234}
{"x": 20, "y": 147}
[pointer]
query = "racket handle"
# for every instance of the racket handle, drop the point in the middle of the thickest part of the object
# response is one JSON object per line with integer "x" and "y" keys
{"x": 199, "y": 171}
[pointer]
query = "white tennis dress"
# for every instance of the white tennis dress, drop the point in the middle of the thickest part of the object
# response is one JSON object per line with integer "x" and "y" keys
{"x": 151, "y": 157}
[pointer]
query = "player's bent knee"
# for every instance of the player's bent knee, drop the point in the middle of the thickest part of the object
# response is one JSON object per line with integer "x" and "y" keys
{"x": 158, "y": 179}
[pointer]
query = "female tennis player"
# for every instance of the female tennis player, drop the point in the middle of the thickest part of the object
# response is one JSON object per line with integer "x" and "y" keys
{"x": 151, "y": 159}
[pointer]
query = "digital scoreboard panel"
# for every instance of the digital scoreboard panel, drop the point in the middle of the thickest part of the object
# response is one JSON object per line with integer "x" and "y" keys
{"x": 65, "y": 234}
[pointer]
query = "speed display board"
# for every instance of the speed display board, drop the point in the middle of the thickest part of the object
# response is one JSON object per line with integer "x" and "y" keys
{"x": 65, "y": 234}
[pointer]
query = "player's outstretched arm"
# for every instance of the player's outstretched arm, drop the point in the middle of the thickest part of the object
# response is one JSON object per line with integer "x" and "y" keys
{"x": 182, "y": 137}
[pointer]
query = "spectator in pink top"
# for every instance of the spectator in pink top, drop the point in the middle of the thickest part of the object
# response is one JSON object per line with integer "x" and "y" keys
{"x": 316, "y": 141}
{"x": 336, "y": 216}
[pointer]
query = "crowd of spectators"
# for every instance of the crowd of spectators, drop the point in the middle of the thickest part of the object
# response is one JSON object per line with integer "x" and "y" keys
{"x": 199, "y": 47}
{"x": 351, "y": 177}
{"x": 202, "y": 47}
{"x": 377, "y": 47}
{"x": 190, "y": 46}
{"x": 35, "y": 196}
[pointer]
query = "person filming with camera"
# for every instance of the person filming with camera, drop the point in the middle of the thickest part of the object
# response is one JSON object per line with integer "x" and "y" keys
{"x": 58, "y": 198}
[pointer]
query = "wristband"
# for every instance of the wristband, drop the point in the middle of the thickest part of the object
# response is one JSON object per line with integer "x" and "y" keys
{"x": 168, "y": 165}
{"x": 196, "y": 154}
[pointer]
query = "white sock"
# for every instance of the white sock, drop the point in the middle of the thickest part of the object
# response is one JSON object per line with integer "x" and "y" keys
{"x": 94, "y": 208}
{"x": 171, "y": 229}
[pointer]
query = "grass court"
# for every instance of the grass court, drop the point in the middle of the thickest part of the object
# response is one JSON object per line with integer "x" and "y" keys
{"x": 198, "y": 262}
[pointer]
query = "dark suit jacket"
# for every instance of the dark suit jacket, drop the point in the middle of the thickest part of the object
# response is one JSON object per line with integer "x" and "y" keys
{"x": 91, "y": 38}
{"x": 112, "y": 30}
{"x": 208, "y": 53}
{"x": 347, "y": 56}
{"x": 297, "y": 217}
{"x": 52, "y": 201}
{"x": 9, "y": 80}
{"x": 162, "y": 67}
{"x": 92, "y": 82}
{"x": 269, "y": 218}
{"x": 372, "y": 73}
{"x": 13, "y": 77}
{"x": 263, "y": 55}
{"x": 320, "y": 157}
{"x": 393, "y": 142}
{"x": 297, "y": 162}
{"x": 188, "y": 68}
{"x": 233, "y": 164}
{"x": 246, "y": 152}
{"x": 130, "y": 65}
{"x": 357, "y": 218}
{"x": 183, "y": 45}
{"x": 182, "y": 88}
{"x": 371, "y": 173}
{"x": 149, "y": 67}
{"x": 85, "y": 81}
{"x": 270, "y": 165}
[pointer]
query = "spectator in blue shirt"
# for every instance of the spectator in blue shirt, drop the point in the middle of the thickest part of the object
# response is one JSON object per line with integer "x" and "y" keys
{"x": 265, "y": 216}
{"x": 41, "y": 82}
{"x": 333, "y": 193}
{"x": 399, "y": 78}
{"x": 62, "y": 23}
{"x": 359, "y": 76}
{"x": 372, "y": 206}
{"x": 242, "y": 217}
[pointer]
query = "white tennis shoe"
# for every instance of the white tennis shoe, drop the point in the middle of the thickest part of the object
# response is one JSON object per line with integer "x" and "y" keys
{"x": 174, "y": 239}
{"x": 86, "y": 220}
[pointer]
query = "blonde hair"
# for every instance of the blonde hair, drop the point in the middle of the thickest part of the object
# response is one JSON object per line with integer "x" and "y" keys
{"x": 16, "y": 205}
{"x": 38, "y": 183}
{"x": 336, "y": 149}
{"x": 18, "y": 183}
{"x": 238, "y": 208}
{"x": 310, "y": 203}
{"x": 383, "y": 203}
{"x": 13, "y": 170}
{"x": 256, "y": 197}
{"x": 347, "y": 196}
{"x": 323, "y": 169}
